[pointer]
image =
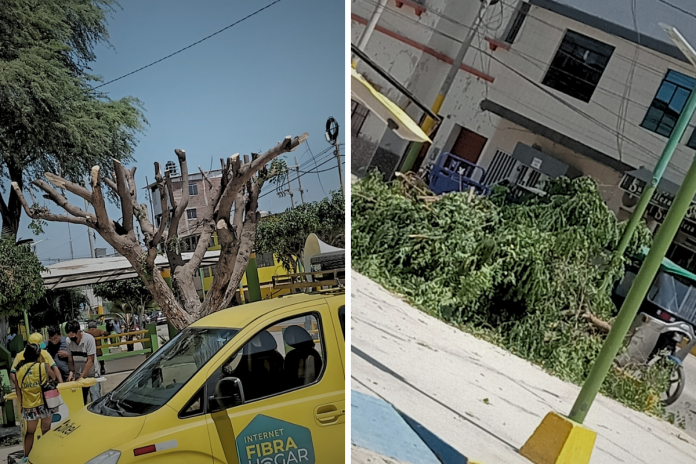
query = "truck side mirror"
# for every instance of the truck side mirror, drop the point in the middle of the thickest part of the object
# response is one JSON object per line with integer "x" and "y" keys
{"x": 228, "y": 393}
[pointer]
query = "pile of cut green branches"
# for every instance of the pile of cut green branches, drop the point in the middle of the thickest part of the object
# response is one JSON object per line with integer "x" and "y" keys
{"x": 524, "y": 275}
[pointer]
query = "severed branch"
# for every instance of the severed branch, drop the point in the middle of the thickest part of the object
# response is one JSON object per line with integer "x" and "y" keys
{"x": 126, "y": 199}
{"x": 597, "y": 322}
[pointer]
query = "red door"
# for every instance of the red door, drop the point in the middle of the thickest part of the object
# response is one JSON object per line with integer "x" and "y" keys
{"x": 468, "y": 145}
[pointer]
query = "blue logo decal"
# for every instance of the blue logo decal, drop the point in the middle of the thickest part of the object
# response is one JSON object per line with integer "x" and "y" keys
{"x": 272, "y": 441}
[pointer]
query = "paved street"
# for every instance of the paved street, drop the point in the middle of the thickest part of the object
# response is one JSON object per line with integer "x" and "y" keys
{"x": 684, "y": 408}
{"x": 479, "y": 399}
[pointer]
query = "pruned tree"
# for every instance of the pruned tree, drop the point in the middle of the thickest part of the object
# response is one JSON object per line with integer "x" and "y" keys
{"x": 234, "y": 217}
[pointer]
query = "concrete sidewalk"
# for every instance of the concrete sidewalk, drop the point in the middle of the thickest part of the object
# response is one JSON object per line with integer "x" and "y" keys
{"x": 478, "y": 398}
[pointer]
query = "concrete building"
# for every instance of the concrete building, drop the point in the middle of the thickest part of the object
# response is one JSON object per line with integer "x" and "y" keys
{"x": 545, "y": 88}
{"x": 198, "y": 205}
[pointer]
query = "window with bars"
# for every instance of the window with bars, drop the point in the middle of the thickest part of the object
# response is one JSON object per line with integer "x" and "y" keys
{"x": 516, "y": 24}
{"x": 668, "y": 104}
{"x": 358, "y": 115}
{"x": 191, "y": 213}
{"x": 264, "y": 260}
{"x": 578, "y": 66}
{"x": 193, "y": 189}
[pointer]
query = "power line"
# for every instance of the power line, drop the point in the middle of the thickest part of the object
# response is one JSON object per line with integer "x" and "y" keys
{"x": 66, "y": 243}
{"x": 677, "y": 7}
{"x": 189, "y": 46}
{"x": 304, "y": 173}
{"x": 556, "y": 97}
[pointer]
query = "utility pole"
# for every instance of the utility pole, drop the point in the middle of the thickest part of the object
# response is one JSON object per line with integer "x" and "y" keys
{"x": 72, "y": 255}
{"x": 663, "y": 239}
{"x": 371, "y": 24}
{"x": 332, "y": 137}
{"x": 337, "y": 152}
{"x": 299, "y": 181}
{"x": 289, "y": 190}
{"x": 446, "y": 85}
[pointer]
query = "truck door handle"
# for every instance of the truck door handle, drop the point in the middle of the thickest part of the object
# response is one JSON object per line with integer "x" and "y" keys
{"x": 327, "y": 414}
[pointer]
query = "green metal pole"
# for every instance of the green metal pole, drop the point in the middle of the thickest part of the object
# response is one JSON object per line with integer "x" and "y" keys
{"x": 253, "y": 284}
{"x": 26, "y": 323}
{"x": 658, "y": 172}
{"x": 636, "y": 295}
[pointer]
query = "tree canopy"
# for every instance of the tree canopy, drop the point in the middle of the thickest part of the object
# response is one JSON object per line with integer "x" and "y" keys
{"x": 57, "y": 306}
{"x": 21, "y": 284}
{"x": 285, "y": 234}
{"x": 131, "y": 292}
{"x": 51, "y": 120}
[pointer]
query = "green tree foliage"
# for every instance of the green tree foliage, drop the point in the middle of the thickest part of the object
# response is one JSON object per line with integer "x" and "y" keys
{"x": 130, "y": 296}
{"x": 50, "y": 119}
{"x": 56, "y": 307}
{"x": 526, "y": 276}
{"x": 285, "y": 234}
{"x": 21, "y": 284}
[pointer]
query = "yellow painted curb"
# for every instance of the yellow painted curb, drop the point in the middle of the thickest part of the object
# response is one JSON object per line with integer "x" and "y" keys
{"x": 559, "y": 440}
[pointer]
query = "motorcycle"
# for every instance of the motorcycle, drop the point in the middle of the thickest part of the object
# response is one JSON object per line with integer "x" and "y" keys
{"x": 664, "y": 326}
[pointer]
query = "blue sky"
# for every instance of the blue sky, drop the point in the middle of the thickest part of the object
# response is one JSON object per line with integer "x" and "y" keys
{"x": 279, "y": 73}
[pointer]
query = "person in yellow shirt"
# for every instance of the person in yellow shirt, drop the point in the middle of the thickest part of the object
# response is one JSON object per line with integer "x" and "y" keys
{"x": 32, "y": 374}
{"x": 37, "y": 339}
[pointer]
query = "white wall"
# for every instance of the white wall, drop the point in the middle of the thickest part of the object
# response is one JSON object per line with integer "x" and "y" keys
{"x": 530, "y": 55}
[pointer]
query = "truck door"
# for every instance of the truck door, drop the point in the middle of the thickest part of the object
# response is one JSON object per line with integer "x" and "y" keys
{"x": 281, "y": 397}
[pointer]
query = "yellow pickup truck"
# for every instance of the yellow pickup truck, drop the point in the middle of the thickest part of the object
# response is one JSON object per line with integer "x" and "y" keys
{"x": 262, "y": 383}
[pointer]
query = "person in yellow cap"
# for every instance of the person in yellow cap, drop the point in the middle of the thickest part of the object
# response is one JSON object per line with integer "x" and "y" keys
{"x": 36, "y": 339}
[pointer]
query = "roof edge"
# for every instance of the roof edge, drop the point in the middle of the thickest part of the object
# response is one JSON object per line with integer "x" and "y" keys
{"x": 611, "y": 28}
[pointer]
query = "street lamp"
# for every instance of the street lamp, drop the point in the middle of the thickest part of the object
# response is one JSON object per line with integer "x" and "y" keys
{"x": 569, "y": 432}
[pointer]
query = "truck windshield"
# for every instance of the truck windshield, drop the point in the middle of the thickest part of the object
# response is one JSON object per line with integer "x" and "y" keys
{"x": 161, "y": 376}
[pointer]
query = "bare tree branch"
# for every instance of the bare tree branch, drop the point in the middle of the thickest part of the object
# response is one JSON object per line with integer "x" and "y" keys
{"x": 69, "y": 186}
{"x": 183, "y": 201}
{"x": 45, "y": 214}
{"x": 111, "y": 184}
{"x": 152, "y": 246}
{"x": 59, "y": 199}
{"x": 205, "y": 176}
{"x": 99, "y": 204}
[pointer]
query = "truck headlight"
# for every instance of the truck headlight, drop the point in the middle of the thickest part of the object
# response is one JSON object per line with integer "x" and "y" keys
{"x": 107, "y": 457}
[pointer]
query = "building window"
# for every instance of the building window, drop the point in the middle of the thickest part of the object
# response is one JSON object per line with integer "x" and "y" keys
{"x": 578, "y": 66}
{"x": 191, "y": 213}
{"x": 516, "y": 24}
{"x": 193, "y": 189}
{"x": 158, "y": 220}
{"x": 191, "y": 242}
{"x": 358, "y": 114}
{"x": 264, "y": 260}
{"x": 206, "y": 272}
{"x": 668, "y": 103}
